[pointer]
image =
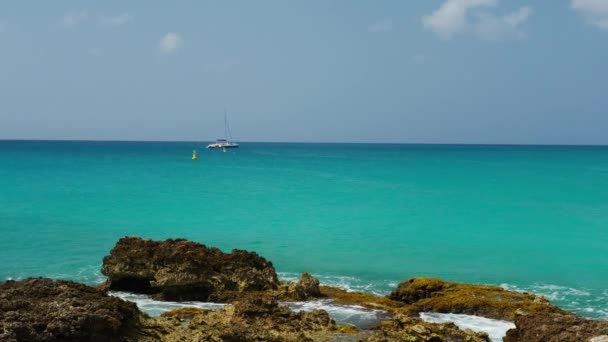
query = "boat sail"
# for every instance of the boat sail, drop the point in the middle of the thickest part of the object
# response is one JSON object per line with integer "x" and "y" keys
{"x": 227, "y": 141}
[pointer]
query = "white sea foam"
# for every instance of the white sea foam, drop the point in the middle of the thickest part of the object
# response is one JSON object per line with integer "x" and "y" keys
{"x": 156, "y": 307}
{"x": 351, "y": 284}
{"x": 496, "y": 329}
{"x": 586, "y": 302}
{"x": 582, "y": 301}
{"x": 342, "y": 314}
{"x": 577, "y": 300}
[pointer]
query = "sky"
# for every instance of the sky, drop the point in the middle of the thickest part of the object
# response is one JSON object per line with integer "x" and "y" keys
{"x": 416, "y": 71}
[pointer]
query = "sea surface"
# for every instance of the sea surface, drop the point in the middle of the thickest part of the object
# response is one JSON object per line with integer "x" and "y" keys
{"x": 360, "y": 216}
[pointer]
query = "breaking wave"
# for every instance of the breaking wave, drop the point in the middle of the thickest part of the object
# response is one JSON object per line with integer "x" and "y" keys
{"x": 343, "y": 314}
{"x": 495, "y": 328}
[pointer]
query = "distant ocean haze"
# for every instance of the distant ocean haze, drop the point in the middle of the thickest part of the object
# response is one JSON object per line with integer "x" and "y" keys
{"x": 361, "y": 216}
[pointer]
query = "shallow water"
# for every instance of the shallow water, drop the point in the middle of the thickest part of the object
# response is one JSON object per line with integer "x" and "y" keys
{"x": 358, "y": 216}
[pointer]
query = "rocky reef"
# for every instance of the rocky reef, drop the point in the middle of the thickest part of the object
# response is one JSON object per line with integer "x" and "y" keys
{"x": 253, "y": 319}
{"x": 557, "y": 328}
{"x": 436, "y": 295}
{"x": 40, "y": 309}
{"x": 183, "y": 270}
{"x": 406, "y": 328}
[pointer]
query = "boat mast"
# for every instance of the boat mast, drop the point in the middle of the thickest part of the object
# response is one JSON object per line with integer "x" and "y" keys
{"x": 227, "y": 132}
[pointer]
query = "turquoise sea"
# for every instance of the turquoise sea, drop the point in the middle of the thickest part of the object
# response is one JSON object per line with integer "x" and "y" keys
{"x": 362, "y": 216}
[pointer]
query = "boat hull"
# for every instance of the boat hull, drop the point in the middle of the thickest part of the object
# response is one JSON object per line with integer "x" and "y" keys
{"x": 223, "y": 146}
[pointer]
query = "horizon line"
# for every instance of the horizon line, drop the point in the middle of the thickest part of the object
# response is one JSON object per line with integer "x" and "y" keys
{"x": 306, "y": 142}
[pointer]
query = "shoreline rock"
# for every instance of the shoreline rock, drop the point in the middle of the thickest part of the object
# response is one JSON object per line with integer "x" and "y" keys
{"x": 557, "y": 327}
{"x": 40, "y": 309}
{"x": 179, "y": 270}
{"x": 182, "y": 270}
{"x": 436, "y": 295}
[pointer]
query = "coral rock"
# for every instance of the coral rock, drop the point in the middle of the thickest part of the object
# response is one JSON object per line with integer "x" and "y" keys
{"x": 557, "y": 328}
{"x": 307, "y": 287}
{"x": 184, "y": 270}
{"x": 39, "y": 309}
{"x": 431, "y": 294}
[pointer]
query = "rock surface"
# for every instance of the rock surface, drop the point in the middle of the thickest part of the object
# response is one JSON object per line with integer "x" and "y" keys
{"x": 38, "y": 309}
{"x": 184, "y": 270}
{"x": 405, "y": 328}
{"x": 557, "y": 328}
{"x": 252, "y": 320}
{"x": 431, "y": 294}
{"x": 307, "y": 287}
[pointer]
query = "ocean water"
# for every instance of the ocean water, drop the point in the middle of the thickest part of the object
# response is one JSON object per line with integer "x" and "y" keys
{"x": 361, "y": 216}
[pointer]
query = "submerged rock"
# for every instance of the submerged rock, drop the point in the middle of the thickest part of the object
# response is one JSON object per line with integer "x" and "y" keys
{"x": 184, "y": 270}
{"x": 39, "y": 309}
{"x": 431, "y": 294}
{"x": 557, "y": 328}
{"x": 364, "y": 299}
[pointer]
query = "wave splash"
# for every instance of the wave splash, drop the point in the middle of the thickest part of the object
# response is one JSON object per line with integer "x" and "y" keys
{"x": 343, "y": 314}
{"x": 496, "y": 329}
{"x": 156, "y": 307}
{"x": 585, "y": 302}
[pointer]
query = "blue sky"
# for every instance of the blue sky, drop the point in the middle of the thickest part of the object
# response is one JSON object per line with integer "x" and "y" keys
{"x": 444, "y": 71}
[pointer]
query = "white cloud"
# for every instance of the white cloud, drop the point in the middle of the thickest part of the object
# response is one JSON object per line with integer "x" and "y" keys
{"x": 115, "y": 20}
{"x": 170, "y": 42}
{"x": 492, "y": 27}
{"x": 74, "y": 17}
{"x": 454, "y": 17}
{"x": 451, "y": 16}
{"x": 381, "y": 26}
{"x": 595, "y": 12}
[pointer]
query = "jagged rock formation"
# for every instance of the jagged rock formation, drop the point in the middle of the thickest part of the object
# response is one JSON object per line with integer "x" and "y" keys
{"x": 184, "y": 270}
{"x": 557, "y": 328}
{"x": 45, "y": 310}
{"x": 38, "y": 309}
{"x": 307, "y": 287}
{"x": 431, "y": 294}
{"x": 405, "y": 328}
{"x": 251, "y": 320}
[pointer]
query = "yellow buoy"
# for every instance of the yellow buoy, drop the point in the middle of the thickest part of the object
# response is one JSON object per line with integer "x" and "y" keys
{"x": 194, "y": 156}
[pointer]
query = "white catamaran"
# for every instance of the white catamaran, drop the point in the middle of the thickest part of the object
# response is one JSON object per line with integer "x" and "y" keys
{"x": 227, "y": 141}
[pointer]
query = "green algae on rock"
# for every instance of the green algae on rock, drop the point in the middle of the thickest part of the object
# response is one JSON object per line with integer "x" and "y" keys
{"x": 431, "y": 294}
{"x": 364, "y": 299}
{"x": 406, "y": 328}
{"x": 557, "y": 327}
